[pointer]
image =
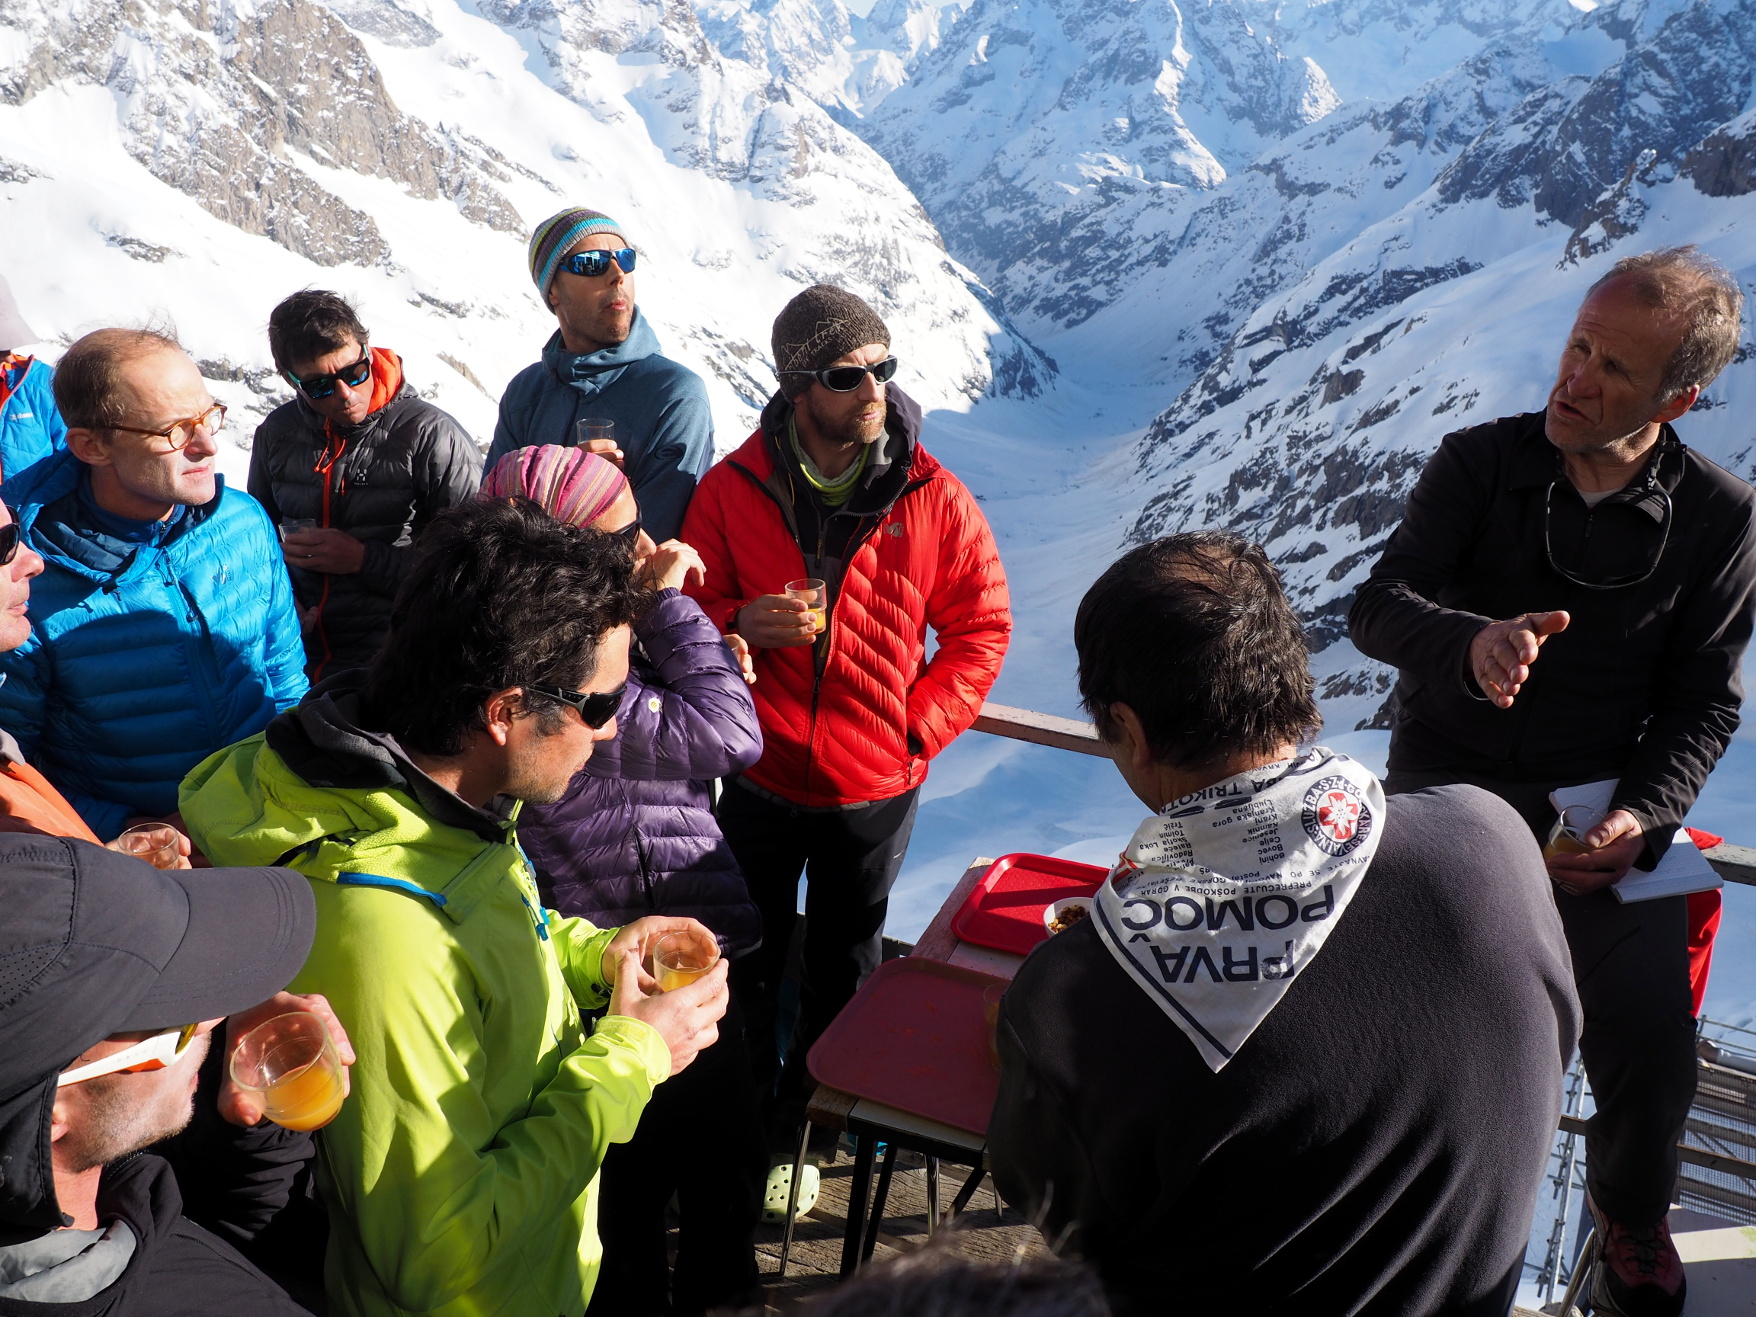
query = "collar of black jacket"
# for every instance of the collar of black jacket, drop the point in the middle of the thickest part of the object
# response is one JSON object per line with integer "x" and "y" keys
{"x": 885, "y": 474}
{"x": 1536, "y": 463}
{"x": 322, "y": 741}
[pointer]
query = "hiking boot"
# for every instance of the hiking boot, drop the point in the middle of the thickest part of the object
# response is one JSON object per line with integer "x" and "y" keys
{"x": 1638, "y": 1273}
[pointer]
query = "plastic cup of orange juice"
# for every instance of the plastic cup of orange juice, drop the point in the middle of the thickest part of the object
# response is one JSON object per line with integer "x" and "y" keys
{"x": 811, "y": 591}
{"x": 680, "y": 958}
{"x": 292, "y": 1062}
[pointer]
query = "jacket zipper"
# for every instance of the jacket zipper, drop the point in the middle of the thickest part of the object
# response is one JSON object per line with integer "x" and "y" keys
{"x": 644, "y": 861}
{"x": 854, "y": 545}
{"x": 326, "y": 468}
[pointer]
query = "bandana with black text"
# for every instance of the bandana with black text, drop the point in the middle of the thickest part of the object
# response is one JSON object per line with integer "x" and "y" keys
{"x": 1224, "y": 896}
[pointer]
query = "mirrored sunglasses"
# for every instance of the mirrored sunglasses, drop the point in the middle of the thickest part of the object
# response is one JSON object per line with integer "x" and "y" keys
{"x": 321, "y": 386}
{"x": 590, "y": 264}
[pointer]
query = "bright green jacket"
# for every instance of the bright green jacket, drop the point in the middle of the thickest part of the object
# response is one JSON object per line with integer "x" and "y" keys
{"x": 460, "y": 1176}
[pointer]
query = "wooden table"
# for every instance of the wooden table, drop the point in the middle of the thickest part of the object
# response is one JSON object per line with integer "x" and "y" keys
{"x": 873, "y": 1122}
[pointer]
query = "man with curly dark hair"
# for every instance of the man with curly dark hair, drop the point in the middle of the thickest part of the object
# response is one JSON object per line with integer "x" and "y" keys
{"x": 462, "y": 1176}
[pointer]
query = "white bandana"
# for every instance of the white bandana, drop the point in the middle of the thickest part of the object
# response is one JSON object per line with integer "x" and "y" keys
{"x": 1222, "y": 897}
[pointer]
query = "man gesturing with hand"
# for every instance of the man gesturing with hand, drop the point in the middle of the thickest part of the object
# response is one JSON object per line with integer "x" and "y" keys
{"x": 1568, "y": 600}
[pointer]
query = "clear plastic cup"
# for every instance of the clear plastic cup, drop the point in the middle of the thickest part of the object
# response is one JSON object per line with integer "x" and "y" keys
{"x": 1567, "y": 837}
{"x": 296, "y": 525}
{"x": 292, "y": 1062}
{"x": 589, "y": 428}
{"x": 815, "y": 593}
{"x": 679, "y": 959}
{"x": 156, "y": 843}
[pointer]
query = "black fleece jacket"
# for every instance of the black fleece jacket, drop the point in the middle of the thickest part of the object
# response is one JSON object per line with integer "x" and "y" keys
{"x": 1644, "y": 683}
{"x": 1374, "y": 1148}
{"x": 178, "y": 1269}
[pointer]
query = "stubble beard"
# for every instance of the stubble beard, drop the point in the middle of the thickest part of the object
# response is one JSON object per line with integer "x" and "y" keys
{"x": 117, "y": 1122}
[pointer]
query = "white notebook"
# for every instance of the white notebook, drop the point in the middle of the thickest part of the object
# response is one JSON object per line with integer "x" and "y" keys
{"x": 1683, "y": 869}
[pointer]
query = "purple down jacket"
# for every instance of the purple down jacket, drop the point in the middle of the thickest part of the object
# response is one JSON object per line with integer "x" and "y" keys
{"x": 635, "y": 834}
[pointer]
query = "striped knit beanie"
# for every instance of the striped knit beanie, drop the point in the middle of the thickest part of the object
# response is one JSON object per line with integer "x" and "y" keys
{"x": 567, "y": 483}
{"x": 820, "y": 324}
{"x": 555, "y": 237}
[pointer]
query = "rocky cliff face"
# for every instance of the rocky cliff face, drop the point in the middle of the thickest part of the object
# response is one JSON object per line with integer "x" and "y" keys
{"x": 1045, "y": 136}
{"x": 222, "y": 103}
{"x": 403, "y": 149}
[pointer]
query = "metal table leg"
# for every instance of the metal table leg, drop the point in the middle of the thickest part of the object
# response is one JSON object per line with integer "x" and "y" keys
{"x": 969, "y": 1188}
{"x": 932, "y": 1196}
{"x": 865, "y": 1147}
{"x": 786, "y": 1242}
{"x": 878, "y": 1201}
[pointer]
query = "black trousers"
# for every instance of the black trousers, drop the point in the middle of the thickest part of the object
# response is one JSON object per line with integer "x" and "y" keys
{"x": 850, "y": 859}
{"x": 701, "y": 1139}
{"x": 1631, "y": 967}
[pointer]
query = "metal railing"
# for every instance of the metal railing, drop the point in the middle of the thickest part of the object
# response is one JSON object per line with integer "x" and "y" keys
{"x": 1736, "y": 864}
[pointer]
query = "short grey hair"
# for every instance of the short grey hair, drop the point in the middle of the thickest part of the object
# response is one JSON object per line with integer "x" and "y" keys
{"x": 1684, "y": 284}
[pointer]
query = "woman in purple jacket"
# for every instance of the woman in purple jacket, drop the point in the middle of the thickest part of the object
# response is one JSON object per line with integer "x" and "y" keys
{"x": 635, "y": 835}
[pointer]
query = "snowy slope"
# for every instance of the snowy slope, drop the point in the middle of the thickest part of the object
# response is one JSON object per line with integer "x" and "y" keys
{"x": 203, "y": 160}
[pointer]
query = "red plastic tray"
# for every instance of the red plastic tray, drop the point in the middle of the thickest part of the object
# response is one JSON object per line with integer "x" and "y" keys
{"x": 916, "y": 1036}
{"x": 1005, "y": 911}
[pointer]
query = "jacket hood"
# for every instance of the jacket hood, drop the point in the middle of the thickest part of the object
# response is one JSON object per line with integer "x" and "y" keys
{"x": 27, "y": 1189}
{"x": 593, "y": 372}
{"x": 321, "y": 741}
{"x": 765, "y": 454}
{"x": 44, "y": 499}
{"x": 388, "y": 386}
{"x": 340, "y": 803}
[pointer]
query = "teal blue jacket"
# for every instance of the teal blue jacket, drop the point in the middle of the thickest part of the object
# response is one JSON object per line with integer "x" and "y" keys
{"x": 145, "y": 658}
{"x": 30, "y": 424}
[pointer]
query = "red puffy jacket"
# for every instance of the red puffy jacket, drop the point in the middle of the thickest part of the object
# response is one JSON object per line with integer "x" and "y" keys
{"x": 928, "y": 559}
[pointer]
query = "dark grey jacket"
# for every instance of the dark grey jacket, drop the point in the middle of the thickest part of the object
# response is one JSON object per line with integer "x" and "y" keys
{"x": 398, "y": 469}
{"x": 1374, "y": 1148}
{"x": 1643, "y": 685}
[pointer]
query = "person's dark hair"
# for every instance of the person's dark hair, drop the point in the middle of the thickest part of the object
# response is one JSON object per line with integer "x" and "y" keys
{"x": 88, "y": 380}
{"x": 1194, "y": 633}
{"x": 500, "y": 594}
{"x": 309, "y": 324}
{"x": 1683, "y": 283}
{"x": 935, "y": 1283}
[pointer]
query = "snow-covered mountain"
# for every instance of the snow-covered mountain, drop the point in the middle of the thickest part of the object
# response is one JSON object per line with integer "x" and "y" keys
{"x": 201, "y": 158}
{"x": 1443, "y": 301}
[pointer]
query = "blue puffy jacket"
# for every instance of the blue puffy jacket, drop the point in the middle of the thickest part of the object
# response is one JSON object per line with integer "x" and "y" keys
{"x": 145, "y": 658}
{"x": 30, "y": 424}
{"x": 635, "y": 834}
{"x": 663, "y": 424}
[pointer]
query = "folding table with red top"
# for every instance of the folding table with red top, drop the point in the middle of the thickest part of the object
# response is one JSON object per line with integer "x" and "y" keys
{"x": 908, "y": 1062}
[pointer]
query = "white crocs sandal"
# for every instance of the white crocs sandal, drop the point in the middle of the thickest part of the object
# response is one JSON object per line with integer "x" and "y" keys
{"x": 780, "y": 1184}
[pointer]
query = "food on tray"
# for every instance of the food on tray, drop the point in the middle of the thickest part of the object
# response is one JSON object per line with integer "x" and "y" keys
{"x": 1069, "y": 914}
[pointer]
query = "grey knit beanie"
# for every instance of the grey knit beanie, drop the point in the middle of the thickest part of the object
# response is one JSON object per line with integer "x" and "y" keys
{"x": 820, "y": 324}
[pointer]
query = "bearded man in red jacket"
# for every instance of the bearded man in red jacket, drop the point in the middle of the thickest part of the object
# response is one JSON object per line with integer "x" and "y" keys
{"x": 835, "y": 485}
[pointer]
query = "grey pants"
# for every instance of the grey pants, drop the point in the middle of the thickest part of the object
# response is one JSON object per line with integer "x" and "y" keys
{"x": 1631, "y": 967}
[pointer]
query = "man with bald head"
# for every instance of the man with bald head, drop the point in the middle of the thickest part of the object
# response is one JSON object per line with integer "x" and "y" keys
{"x": 603, "y": 363}
{"x": 1568, "y": 600}
{"x": 163, "y": 625}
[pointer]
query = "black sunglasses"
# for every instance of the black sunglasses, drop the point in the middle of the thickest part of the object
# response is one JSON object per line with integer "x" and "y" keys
{"x": 845, "y": 379}
{"x": 595, "y": 709}
{"x": 321, "y": 386}
{"x": 629, "y": 534}
{"x": 10, "y": 538}
{"x": 591, "y": 264}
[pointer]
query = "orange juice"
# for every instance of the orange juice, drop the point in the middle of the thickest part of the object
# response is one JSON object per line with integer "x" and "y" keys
{"x": 306, "y": 1099}
{"x": 677, "y": 976}
{"x": 1565, "y": 843}
{"x": 819, "y": 618}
